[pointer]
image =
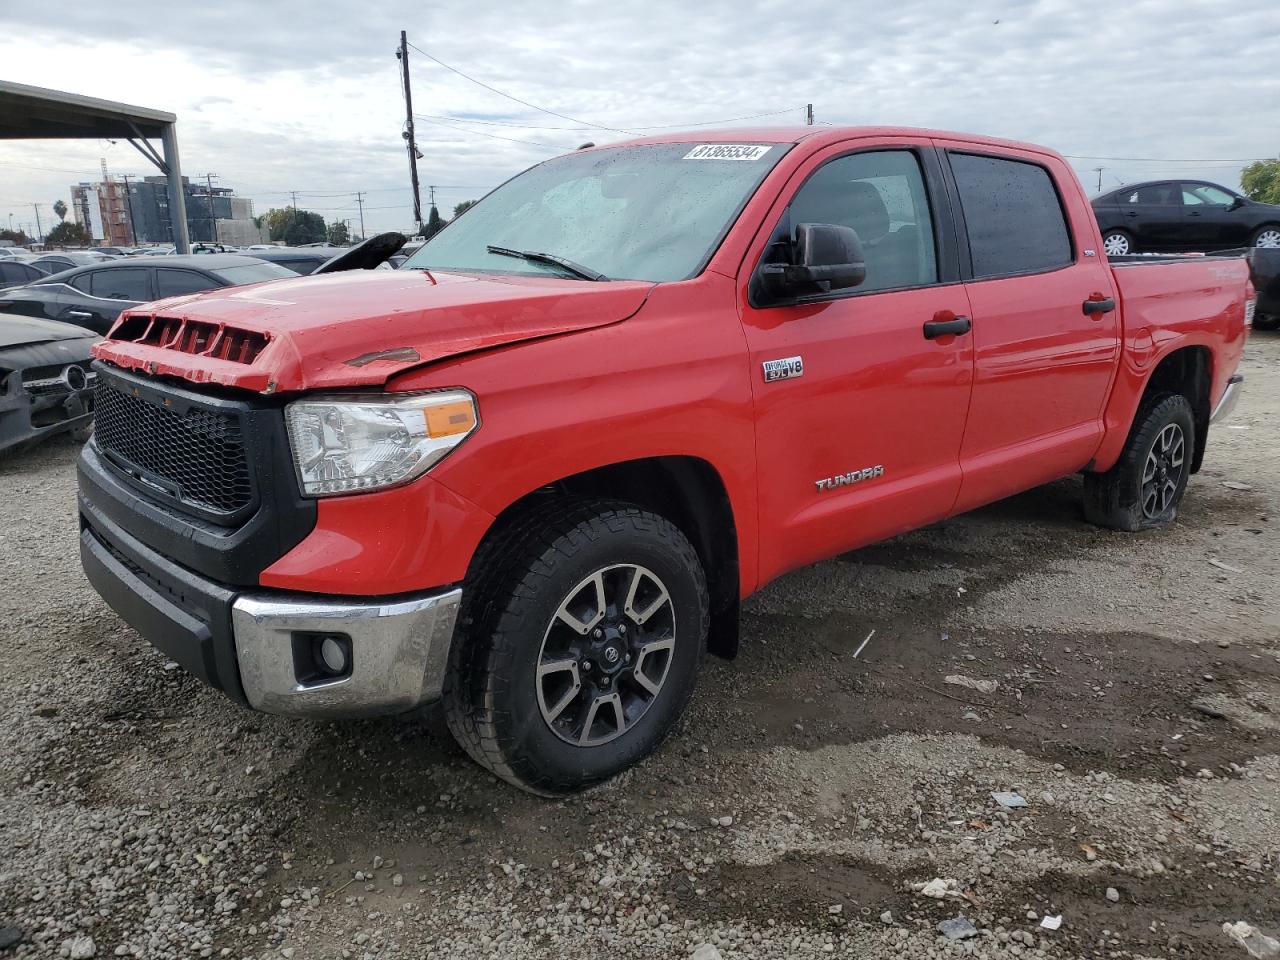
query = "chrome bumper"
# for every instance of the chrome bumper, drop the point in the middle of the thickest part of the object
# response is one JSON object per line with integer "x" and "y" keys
{"x": 399, "y": 652}
{"x": 1230, "y": 397}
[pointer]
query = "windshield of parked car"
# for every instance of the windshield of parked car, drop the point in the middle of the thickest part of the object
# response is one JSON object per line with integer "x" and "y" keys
{"x": 252, "y": 273}
{"x": 652, "y": 212}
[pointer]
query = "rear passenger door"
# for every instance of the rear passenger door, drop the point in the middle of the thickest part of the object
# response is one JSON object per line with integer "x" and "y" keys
{"x": 1152, "y": 214}
{"x": 1043, "y": 360}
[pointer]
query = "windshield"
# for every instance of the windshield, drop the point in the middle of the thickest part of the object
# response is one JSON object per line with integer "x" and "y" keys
{"x": 252, "y": 273}
{"x": 653, "y": 212}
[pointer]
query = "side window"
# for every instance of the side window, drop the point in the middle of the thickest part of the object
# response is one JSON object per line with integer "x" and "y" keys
{"x": 83, "y": 282}
{"x": 1012, "y": 214}
{"x": 1199, "y": 194}
{"x": 128, "y": 283}
{"x": 882, "y": 196}
{"x": 1153, "y": 194}
{"x": 175, "y": 283}
{"x": 9, "y": 272}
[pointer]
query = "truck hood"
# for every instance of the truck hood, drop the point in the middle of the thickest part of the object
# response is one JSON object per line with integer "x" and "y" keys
{"x": 353, "y": 329}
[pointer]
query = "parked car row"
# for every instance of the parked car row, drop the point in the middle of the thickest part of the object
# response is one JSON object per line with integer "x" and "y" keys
{"x": 92, "y": 296}
{"x": 1183, "y": 215}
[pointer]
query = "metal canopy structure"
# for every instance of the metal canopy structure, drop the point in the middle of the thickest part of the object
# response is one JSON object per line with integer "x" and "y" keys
{"x": 34, "y": 113}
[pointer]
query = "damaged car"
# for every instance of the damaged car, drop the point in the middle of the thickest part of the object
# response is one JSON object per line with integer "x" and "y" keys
{"x": 46, "y": 382}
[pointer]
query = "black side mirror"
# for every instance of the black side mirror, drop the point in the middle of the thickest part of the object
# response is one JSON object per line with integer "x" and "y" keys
{"x": 826, "y": 257}
{"x": 1235, "y": 204}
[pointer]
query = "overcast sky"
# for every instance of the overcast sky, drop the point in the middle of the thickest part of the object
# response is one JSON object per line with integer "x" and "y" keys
{"x": 305, "y": 96}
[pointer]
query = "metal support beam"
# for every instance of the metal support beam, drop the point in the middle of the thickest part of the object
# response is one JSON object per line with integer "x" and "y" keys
{"x": 177, "y": 201}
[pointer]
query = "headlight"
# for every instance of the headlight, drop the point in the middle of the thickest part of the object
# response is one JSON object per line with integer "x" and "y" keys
{"x": 353, "y": 443}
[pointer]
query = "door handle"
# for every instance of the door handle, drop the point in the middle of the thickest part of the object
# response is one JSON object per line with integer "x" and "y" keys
{"x": 1099, "y": 306}
{"x": 1130, "y": 213}
{"x": 1194, "y": 213}
{"x": 83, "y": 315}
{"x": 941, "y": 328}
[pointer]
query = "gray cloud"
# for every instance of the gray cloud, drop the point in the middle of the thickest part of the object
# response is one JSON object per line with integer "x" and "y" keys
{"x": 294, "y": 96}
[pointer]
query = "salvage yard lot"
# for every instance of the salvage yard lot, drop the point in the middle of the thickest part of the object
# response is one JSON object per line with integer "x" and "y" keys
{"x": 806, "y": 791}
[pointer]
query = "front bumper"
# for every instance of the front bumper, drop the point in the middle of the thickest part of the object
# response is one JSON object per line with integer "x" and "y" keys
{"x": 257, "y": 646}
{"x": 1230, "y": 397}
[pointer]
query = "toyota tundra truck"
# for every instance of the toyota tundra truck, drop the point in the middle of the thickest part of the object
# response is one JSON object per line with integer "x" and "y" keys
{"x": 533, "y": 473}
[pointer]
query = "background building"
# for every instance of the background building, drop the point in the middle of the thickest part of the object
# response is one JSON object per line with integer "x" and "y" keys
{"x": 140, "y": 214}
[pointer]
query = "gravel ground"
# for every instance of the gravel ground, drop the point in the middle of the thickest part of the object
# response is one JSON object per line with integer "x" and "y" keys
{"x": 1131, "y": 697}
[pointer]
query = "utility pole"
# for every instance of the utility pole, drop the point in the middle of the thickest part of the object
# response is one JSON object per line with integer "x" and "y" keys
{"x": 1099, "y": 170}
{"x": 360, "y": 204}
{"x": 808, "y": 114}
{"x": 128, "y": 199}
{"x": 213, "y": 218}
{"x": 39, "y": 229}
{"x": 410, "y": 142}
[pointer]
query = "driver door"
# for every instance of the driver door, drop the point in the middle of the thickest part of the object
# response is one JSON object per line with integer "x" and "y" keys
{"x": 860, "y": 413}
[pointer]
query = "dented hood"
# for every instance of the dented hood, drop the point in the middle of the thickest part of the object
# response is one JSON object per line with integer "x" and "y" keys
{"x": 353, "y": 329}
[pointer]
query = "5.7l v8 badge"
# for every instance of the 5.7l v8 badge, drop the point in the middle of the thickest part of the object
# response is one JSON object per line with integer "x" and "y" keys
{"x": 788, "y": 368}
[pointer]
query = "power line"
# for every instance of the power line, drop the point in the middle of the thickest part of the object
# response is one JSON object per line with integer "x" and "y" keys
{"x": 1072, "y": 156}
{"x": 491, "y": 136}
{"x": 660, "y": 126}
{"x": 503, "y": 93}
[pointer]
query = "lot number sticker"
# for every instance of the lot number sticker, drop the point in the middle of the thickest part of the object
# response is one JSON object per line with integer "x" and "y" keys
{"x": 727, "y": 151}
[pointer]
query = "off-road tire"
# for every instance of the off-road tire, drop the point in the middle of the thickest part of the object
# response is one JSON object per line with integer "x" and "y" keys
{"x": 518, "y": 581}
{"x": 1113, "y": 499}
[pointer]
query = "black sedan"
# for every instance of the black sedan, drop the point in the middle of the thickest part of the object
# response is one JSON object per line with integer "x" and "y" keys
{"x": 46, "y": 385}
{"x": 16, "y": 273}
{"x": 68, "y": 260}
{"x": 94, "y": 296}
{"x": 1184, "y": 215}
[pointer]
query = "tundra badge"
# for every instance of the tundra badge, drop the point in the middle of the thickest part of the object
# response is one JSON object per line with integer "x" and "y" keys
{"x": 788, "y": 368}
{"x": 853, "y": 476}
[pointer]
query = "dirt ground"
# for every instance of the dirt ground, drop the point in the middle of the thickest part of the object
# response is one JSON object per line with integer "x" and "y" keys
{"x": 804, "y": 799}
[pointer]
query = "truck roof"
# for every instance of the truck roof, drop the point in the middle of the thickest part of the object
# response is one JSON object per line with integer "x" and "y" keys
{"x": 820, "y": 136}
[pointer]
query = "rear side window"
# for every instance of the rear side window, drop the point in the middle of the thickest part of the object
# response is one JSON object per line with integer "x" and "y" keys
{"x": 1012, "y": 214}
{"x": 128, "y": 283}
{"x": 175, "y": 283}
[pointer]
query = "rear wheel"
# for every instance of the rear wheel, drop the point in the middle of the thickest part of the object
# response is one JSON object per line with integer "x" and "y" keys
{"x": 579, "y": 647}
{"x": 1117, "y": 243}
{"x": 1145, "y": 486}
{"x": 1268, "y": 236}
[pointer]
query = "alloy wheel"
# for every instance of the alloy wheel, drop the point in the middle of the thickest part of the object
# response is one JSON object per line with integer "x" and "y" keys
{"x": 1162, "y": 473}
{"x": 605, "y": 654}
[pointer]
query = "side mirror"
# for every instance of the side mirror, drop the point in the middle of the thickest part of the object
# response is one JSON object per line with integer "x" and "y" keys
{"x": 826, "y": 257}
{"x": 1235, "y": 204}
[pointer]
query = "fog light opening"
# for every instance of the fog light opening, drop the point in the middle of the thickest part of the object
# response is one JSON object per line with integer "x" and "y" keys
{"x": 322, "y": 657}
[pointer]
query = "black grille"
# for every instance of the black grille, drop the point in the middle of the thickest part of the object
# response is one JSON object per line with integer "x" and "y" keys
{"x": 196, "y": 456}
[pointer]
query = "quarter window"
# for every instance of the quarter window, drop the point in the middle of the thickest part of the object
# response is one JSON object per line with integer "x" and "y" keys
{"x": 881, "y": 195}
{"x": 1012, "y": 214}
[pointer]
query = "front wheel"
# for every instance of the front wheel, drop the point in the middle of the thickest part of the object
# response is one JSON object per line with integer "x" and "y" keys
{"x": 1145, "y": 486}
{"x": 1267, "y": 236}
{"x": 579, "y": 647}
{"x": 1117, "y": 243}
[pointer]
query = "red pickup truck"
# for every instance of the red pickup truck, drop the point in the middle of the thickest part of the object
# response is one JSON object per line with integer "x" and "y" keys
{"x": 534, "y": 471}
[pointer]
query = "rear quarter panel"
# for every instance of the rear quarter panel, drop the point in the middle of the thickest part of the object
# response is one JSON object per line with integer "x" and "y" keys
{"x": 1165, "y": 307}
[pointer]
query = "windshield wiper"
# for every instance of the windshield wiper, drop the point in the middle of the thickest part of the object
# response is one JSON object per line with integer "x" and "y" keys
{"x": 577, "y": 269}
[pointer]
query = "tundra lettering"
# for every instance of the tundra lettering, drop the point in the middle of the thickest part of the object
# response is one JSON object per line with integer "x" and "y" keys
{"x": 532, "y": 473}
